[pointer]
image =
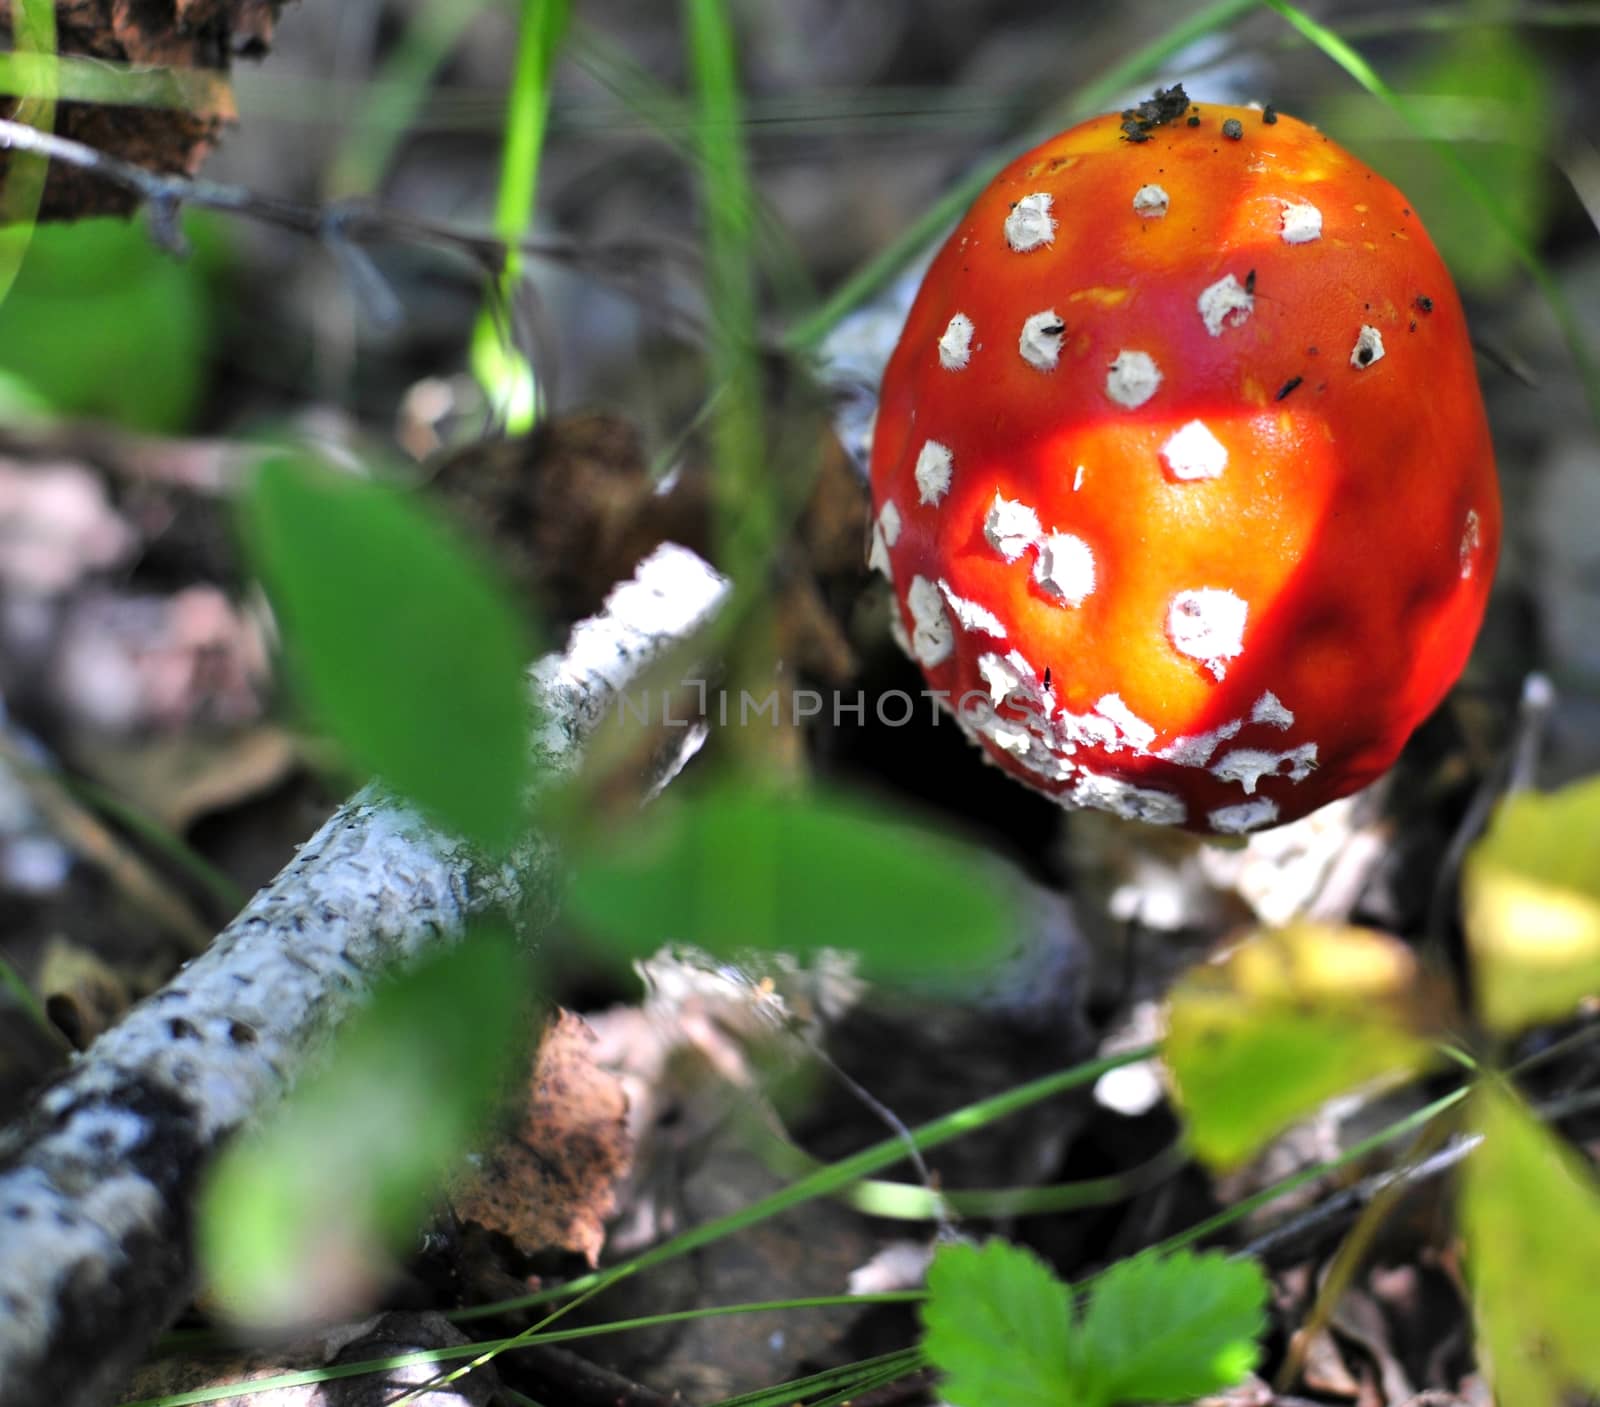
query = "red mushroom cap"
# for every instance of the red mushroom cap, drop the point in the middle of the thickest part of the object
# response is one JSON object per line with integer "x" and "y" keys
{"x": 1181, "y": 470}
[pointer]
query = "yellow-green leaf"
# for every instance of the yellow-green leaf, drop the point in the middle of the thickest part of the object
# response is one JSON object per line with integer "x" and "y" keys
{"x": 1531, "y": 897}
{"x": 1530, "y": 1208}
{"x": 1286, "y": 1020}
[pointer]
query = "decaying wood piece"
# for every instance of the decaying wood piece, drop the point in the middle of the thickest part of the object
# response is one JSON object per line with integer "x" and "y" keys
{"x": 97, "y": 1183}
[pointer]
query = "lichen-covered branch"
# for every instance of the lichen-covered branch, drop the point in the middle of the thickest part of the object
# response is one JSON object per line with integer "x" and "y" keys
{"x": 97, "y": 1183}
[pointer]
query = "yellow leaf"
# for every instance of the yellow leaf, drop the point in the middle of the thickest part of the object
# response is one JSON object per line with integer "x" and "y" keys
{"x": 1531, "y": 902}
{"x": 1530, "y": 1208}
{"x": 1286, "y": 1020}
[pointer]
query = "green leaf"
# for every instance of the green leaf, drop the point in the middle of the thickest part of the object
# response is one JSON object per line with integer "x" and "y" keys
{"x": 302, "y": 1215}
{"x": 999, "y": 1326}
{"x": 402, "y": 647}
{"x": 78, "y": 280}
{"x": 1486, "y": 89}
{"x": 1288, "y": 1019}
{"x": 1531, "y": 905}
{"x": 1168, "y": 1329}
{"x": 1531, "y": 1214}
{"x": 741, "y": 868}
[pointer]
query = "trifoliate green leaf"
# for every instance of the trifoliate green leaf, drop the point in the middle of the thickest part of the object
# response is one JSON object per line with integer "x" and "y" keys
{"x": 1168, "y": 1329}
{"x": 998, "y": 1324}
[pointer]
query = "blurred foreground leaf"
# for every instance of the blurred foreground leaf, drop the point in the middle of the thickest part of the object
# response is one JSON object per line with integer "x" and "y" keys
{"x": 1531, "y": 903}
{"x": 402, "y": 647}
{"x": 1000, "y": 1326}
{"x": 303, "y": 1216}
{"x": 1289, "y": 1018}
{"x": 101, "y": 323}
{"x": 740, "y": 868}
{"x": 1486, "y": 89}
{"x": 1531, "y": 1214}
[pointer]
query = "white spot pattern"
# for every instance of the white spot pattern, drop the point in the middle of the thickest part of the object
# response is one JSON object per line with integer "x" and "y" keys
{"x": 955, "y": 343}
{"x": 1368, "y": 348}
{"x": 1135, "y": 731}
{"x": 1194, "y": 750}
{"x": 1030, "y": 223}
{"x": 1269, "y": 709}
{"x": 1248, "y": 765}
{"x": 1151, "y": 202}
{"x": 1246, "y": 816}
{"x": 1132, "y": 803}
{"x": 1226, "y": 303}
{"x": 1040, "y": 343}
{"x": 934, "y": 465}
{"x": 1011, "y": 527}
{"x": 1065, "y": 567}
{"x": 1004, "y": 675}
{"x": 885, "y": 533}
{"x": 1207, "y": 625}
{"x": 932, "y": 638}
{"x": 1471, "y": 541}
{"x": 973, "y": 615}
{"x": 889, "y": 521}
{"x": 1132, "y": 379}
{"x": 1193, "y": 452}
{"x": 1302, "y": 222}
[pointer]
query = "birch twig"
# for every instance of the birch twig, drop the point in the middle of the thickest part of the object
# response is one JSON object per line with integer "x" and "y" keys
{"x": 97, "y": 1183}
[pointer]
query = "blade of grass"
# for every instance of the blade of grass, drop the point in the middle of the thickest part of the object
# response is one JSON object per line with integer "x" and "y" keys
{"x": 499, "y": 364}
{"x": 221, "y": 1392}
{"x": 1340, "y": 52}
{"x": 76, "y": 80}
{"x": 27, "y": 999}
{"x": 673, "y": 121}
{"x": 745, "y": 526}
{"x": 906, "y": 1201}
{"x": 1411, "y": 1123}
{"x": 895, "y": 1364}
{"x": 33, "y": 32}
{"x": 227, "y": 895}
{"x": 837, "y": 1176}
{"x": 806, "y": 334}
{"x": 397, "y": 93}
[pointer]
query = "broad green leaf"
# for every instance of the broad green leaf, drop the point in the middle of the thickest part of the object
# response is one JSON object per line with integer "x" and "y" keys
{"x": 302, "y": 1215}
{"x": 1531, "y": 1214}
{"x": 1168, "y": 1329}
{"x": 741, "y": 868}
{"x": 1531, "y": 904}
{"x": 1287, "y": 1019}
{"x": 402, "y": 646}
{"x": 79, "y": 282}
{"x": 998, "y": 1326}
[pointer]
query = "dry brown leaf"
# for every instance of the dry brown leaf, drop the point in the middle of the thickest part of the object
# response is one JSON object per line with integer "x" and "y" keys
{"x": 82, "y": 992}
{"x": 195, "y": 39}
{"x": 552, "y": 1183}
{"x": 178, "y": 778}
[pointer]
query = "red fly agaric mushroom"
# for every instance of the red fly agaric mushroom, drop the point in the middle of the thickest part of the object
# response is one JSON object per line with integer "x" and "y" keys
{"x": 1181, "y": 471}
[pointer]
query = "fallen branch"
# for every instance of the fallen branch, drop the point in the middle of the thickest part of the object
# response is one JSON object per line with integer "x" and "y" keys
{"x": 342, "y": 225}
{"x": 97, "y": 1184}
